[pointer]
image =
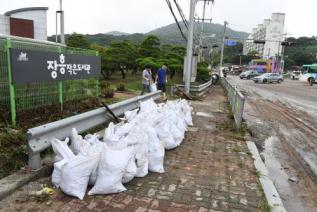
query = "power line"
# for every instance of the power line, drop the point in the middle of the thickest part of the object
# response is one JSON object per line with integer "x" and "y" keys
{"x": 181, "y": 14}
{"x": 180, "y": 11}
{"x": 175, "y": 18}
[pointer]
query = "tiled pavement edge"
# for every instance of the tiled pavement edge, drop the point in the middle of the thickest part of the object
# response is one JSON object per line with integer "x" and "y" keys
{"x": 211, "y": 171}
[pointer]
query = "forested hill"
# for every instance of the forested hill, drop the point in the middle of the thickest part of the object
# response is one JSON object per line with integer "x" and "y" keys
{"x": 168, "y": 35}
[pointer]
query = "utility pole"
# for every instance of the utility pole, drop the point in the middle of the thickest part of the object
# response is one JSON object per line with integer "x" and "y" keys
{"x": 201, "y": 35}
{"x": 223, "y": 46}
{"x": 189, "y": 52}
{"x": 282, "y": 55}
{"x": 62, "y": 22}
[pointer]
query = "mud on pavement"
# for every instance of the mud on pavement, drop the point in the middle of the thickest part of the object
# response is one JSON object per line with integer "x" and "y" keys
{"x": 211, "y": 171}
{"x": 288, "y": 139}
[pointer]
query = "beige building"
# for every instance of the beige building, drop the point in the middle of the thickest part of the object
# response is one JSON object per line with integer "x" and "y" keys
{"x": 272, "y": 31}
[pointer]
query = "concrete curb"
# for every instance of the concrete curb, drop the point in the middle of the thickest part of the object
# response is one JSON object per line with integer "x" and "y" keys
{"x": 13, "y": 182}
{"x": 270, "y": 191}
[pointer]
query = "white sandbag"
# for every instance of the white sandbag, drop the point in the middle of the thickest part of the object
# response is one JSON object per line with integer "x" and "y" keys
{"x": 156, "y": 157}
{"x": 177, "y": 135}
{"x": 165, "y": 136}
{"x": 61, "y": 149}
{"x": 123, "y": 130}
{"x": 153, "y": 87}
{"x": 148, "y": 106}
{"x": 57, "y": 172}
{"x": 136, "y": 136}
{"x": 130, "y": 171}
{"x": 92, "y": 139}
{"x": 142, "y": 160}
{"x": 110, "y": 137}
{"x": 76, "y": 172}
{"x": 130, "y": 115}
{"x": 92, "y": 146}
{"x": 111, "y": 168}
{"x": 62, "y": 153}
{"x": 77, "y": 141}
{"x": 156, "y": 152}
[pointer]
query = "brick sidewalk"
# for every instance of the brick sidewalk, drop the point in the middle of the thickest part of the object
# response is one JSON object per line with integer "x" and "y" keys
{"x": 210, "y": 171}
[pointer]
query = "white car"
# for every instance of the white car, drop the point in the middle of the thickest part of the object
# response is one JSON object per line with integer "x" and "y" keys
{"x": 296, "y": 75}
{"x": 269, "y": 78}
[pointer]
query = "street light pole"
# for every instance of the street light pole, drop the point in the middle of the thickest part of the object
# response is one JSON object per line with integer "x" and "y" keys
{"x": 223, "y": 46}
{"x": 62, "y": 22}
{"x": 189, "y": 52}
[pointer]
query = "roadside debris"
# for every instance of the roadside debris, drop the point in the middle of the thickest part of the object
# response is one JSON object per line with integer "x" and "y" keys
{"x": 293, "y": 179}
{"x": 128, "y": 149}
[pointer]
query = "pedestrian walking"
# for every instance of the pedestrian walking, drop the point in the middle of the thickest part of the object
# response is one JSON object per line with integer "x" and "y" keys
{"x": 146, "y": 79}
{"x": 161, "y": 80}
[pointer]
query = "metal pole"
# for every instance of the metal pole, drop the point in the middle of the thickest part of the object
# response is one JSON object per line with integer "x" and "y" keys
{"x": 201, "y": 35}
{"x": 56, "y": 27}
{"x": 62, "y": 23}
{"x": 223, "y": 46}
{"x": 10, "y": 82}
{"x": 190, "y": 46}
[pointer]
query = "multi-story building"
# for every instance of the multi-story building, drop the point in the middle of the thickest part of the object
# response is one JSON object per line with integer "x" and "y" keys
{"x": 272, "y": 32}
{"x": 28, "y": 22}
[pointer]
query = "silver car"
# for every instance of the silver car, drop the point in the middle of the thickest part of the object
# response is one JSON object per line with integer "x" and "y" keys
{"x": 269, "y": 78}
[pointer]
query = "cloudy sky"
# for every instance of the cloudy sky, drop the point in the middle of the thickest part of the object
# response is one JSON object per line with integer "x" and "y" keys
{"x": 100, "y": 16}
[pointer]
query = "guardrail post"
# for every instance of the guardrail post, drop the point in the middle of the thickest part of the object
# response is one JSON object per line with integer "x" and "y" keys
{"x": 35, "y": 161}
{"x": 11, "y": 86}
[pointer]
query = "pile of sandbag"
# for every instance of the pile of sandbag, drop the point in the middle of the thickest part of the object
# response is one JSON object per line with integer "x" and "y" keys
{"x": 128, "y": 149}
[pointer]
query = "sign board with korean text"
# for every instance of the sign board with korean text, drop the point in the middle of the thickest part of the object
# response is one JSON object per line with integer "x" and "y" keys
{"x": 41, "y": 66}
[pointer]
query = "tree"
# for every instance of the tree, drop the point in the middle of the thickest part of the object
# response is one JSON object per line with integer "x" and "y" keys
{"x": 77, "y": 41}
{"x": 150, "y": 47}
{"x": 106, "y": 73}
{"x": 121, "y": 56}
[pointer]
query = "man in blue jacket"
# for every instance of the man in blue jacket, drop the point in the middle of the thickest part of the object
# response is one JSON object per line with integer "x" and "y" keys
{"x": 161, "y": 80}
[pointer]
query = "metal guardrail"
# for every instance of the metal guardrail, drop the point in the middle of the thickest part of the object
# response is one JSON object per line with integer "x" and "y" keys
{"x": 236, "y": 100}
{"x": 39, "y": 138}
{"x": 197, "y": 89}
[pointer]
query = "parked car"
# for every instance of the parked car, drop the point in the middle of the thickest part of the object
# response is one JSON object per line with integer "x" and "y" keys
{"x": 295, "y": 75}
{"x": 248, "y": 74}
{"x": 269, "y": 78}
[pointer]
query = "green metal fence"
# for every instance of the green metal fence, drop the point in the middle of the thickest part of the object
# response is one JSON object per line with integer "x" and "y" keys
{"x": 18, "y": 98}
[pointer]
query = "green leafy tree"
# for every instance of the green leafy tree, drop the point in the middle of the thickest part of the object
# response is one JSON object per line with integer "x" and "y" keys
{"x": 106, "y": 73}
{"x": 77, "y": 41}
{"x": 121, "y": 56}
{"x": 150, "y": 47}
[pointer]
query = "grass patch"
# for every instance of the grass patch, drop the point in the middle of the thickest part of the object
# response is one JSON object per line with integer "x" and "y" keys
{"x": 265, "y": 207}
{"x": 13, "y": 150}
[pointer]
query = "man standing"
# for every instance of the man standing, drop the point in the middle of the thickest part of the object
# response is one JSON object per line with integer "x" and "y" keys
{"x": 146, "y": 78}
{"x": 161, "y": 80}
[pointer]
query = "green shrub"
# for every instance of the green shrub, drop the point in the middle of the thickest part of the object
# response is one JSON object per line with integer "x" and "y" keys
{"x": 121, "y": 87}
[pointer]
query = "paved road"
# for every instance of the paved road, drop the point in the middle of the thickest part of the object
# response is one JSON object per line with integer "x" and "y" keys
{"x": 293, "y": 92}
{"x": 283, "y": 121}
